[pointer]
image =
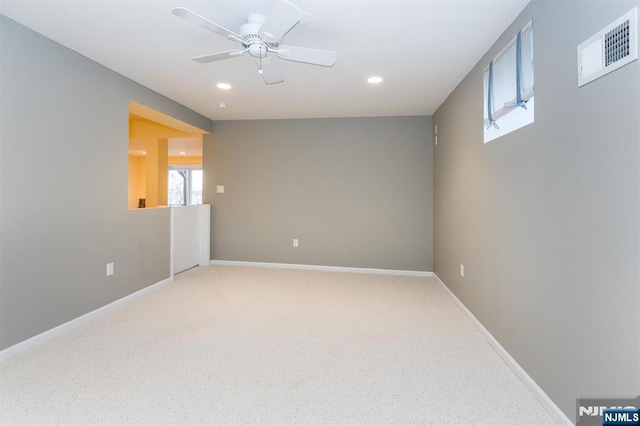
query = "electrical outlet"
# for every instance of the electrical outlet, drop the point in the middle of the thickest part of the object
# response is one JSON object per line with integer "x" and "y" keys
{"x": 436, "y": 140}
{"x": 295, "y": 242}
{"x": 109, "y": 269}
{"x": 461, "y": 270}
{"x": 436, "y": 129}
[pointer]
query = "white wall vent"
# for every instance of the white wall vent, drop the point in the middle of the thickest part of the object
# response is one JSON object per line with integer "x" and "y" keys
{"x": 612, "y": 47}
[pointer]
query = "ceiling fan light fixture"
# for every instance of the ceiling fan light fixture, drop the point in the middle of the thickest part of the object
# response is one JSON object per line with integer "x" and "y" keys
{"x": 223, "y": 86}
{"x": 222, "y": 105}
{"x": 374, "y": 80}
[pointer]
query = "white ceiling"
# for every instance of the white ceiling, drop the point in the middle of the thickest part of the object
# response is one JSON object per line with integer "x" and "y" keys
{"x": 422, "y": 49}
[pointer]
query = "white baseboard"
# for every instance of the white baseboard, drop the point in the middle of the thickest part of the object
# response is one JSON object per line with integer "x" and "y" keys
{"x": 63, "y": 328}
{"x": 323, "y": 268}
{"x": 533, "y": 387}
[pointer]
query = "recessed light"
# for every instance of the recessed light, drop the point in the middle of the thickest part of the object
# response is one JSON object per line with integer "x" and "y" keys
{"x": 222, "y": 105}
{"x": 183, "y": 153}
{"x": 374, "y": 80}
{"x": 223, "y": 86}
{"x": 144, "y": 152}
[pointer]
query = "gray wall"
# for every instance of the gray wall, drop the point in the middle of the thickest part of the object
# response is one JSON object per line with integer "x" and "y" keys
{"x": 356, "y": 192}
{"x": 546, "y": 220}
{"x": 63, "y": 182}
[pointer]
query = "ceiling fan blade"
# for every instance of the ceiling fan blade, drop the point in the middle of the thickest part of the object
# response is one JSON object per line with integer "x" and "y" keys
{"x": 205, "y": 23}
{"x": 280, "y": 20}
{"x": 270, "y": 72}
{"x": 325, "y": 58}
{"x": 219, "y": 56}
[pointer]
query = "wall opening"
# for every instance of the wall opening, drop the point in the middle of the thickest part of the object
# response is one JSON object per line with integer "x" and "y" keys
{"x": 158, "y": 144}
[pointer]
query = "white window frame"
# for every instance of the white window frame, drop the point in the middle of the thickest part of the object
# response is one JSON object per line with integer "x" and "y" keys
{"x": 190, "y": 168}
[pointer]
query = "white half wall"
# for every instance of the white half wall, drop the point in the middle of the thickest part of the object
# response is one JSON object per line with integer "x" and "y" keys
{"x": 190, "y": 238}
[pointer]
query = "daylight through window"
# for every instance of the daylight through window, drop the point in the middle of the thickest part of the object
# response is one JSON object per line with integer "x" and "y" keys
{"x": 185, "y": 186}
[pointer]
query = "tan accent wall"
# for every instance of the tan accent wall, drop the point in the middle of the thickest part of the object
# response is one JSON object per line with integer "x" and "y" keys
{"x": 185, "y": 160}
{"x": 137, "y": 181}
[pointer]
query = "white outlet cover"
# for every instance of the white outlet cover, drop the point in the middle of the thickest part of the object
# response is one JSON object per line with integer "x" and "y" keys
{"x": 109, "y": 269}
{"x": 220, "y": 189}
{"x": 461, "y": 270}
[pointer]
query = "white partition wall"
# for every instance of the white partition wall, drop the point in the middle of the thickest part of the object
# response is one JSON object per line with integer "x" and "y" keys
{"x": 189, "y": 237}
{"x": 204, "y": 235}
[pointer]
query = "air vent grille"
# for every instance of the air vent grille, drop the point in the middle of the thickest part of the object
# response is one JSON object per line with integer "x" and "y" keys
{"x": 609, "y": 49}
{"x": 616, "y": 43}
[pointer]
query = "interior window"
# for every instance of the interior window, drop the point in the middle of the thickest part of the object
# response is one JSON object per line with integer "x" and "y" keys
{"x": 165, "y": 160}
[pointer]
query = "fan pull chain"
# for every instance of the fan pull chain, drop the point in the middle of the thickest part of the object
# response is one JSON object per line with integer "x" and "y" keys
{"x": 260, "y": 67}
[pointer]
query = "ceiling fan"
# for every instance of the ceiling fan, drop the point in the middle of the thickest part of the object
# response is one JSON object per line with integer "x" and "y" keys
{"x": 261, "y": 37}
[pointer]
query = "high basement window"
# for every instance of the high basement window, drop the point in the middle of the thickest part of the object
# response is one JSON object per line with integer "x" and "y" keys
{"x": 509, "y": 87}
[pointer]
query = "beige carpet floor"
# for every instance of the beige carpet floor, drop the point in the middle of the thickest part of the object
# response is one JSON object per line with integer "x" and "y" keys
{"x": 242, "y": 345}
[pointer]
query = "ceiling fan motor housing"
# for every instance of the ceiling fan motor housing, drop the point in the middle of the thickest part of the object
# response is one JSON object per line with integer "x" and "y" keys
{"x": 250, "y": 38}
